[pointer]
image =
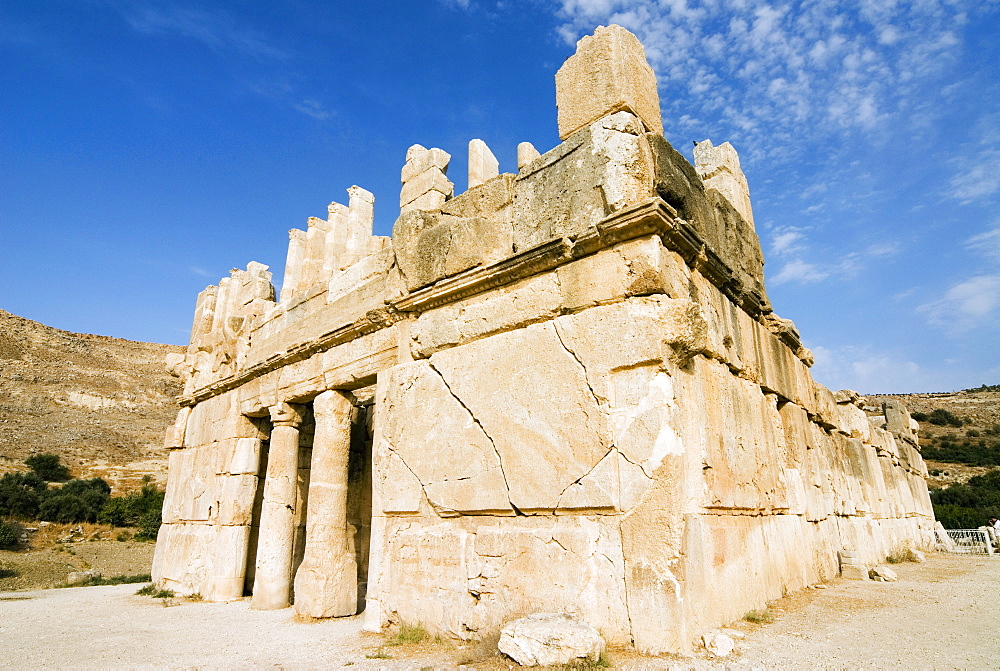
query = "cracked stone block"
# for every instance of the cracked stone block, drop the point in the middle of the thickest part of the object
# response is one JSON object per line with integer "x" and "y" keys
{"x": 531, "y": 396}
{"x": 437, "y": 438}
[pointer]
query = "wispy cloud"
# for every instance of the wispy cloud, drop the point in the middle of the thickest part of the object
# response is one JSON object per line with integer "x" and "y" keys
{"x": 973, "y": 301}
{"x": 315, "y": 109}
{"x": 790, "y": 246}
{"x": 217, "y": 30}
{"x": 966, "y": 305}
{"x": 873, "y": 371}
{"x": 986, "y": 244}
{"x": 769, "y": 75}
{"x": 979, "y": 180}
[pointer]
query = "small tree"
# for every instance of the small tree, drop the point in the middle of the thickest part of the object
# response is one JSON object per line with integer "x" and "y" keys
{"x": 10, "y": 535}
{"x": 47, "y": 467}
{"x": 20, "y": 494}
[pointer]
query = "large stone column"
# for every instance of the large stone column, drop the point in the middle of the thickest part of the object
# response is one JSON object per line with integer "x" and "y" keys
{"x": 273, "y": 576}
{"x": 326, "y": 584}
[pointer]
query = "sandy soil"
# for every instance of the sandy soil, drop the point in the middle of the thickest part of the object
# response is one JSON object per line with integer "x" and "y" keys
{"x": 941, "y": 614}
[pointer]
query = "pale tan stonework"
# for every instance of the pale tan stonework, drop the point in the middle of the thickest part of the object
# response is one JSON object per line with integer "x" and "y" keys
{"x": 608, "y": 73}
{"x": 562, "y": 391}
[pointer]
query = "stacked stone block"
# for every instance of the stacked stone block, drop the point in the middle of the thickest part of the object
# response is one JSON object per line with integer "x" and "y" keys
{"x": 580, "y": 400}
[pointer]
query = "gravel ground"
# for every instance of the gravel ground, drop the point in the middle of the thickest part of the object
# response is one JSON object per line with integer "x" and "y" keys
{"x": 941, "y": 614}
{"x": 48, "y": 563}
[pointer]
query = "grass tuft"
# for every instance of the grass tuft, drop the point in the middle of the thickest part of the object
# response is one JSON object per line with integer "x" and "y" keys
{"x": 409, "y": 634}
{"x": 759, "y": 616}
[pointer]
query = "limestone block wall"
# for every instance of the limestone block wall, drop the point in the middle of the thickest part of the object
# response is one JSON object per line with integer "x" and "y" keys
{"x": 618, "y": 440}
{"x": 563, "y": 389}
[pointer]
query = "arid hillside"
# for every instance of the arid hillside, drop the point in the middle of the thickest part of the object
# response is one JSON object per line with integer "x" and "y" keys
{"x": 100, "y": 403}
{"x": 956, "y": 450}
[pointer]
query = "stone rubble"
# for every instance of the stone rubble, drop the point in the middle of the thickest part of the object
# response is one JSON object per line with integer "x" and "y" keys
{"x": 564, "y": 390}
{"x": 544, "y": 639}
{"x": 719, "y": 644}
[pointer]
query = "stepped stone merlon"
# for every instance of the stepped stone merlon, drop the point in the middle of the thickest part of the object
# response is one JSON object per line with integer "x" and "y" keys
{"x": 360, "y": 219}
{"x": 425, "y": 186}
{"x": 526, "y": 153}
{"x": 293, "y": 263}
{"x": 719, "y": 168}
{"x": 607, "y": 74}
{"x": 483, "y": 165}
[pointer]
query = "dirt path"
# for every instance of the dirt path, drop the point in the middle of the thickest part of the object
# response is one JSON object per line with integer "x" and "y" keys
{"x": 941, "y": 614}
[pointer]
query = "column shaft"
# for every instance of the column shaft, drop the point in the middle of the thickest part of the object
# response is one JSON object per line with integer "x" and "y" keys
{"x": 273, "y": 576}
{"x": 326, "y": 583}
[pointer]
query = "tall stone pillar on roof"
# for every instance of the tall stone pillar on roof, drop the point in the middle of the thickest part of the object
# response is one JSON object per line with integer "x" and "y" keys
{"x": 326, "y": 582}
{"x": 719, "y": 168}
{"x": 607, "y": 74}
{"x": 273, "y": 575}
{"x": 483, "y": 165}
{"x": 293, "y": 263}
{"x": 358, "y": 233}
{"x": 526, "y": 153}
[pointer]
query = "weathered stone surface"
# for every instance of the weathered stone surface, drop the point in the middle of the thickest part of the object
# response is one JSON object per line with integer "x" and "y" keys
{"x": 719, "y": 644}
{"x": 526, "y": 153}
{"x": 82, "y": 577}
{"x": 543, "y": 639}
{"x": 562, "y": 391}
{"x": 608, "y": 73}
{"x": 483, "y": 165}
{"x": 883, "y": 573}
{"x": 719, "y": 169}
{"x": 441, "y": 442}
{"x": 544, "y": 421}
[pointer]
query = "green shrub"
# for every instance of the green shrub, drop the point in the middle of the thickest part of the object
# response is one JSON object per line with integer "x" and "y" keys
{"x": 20, "y": 494}
{"x": 139, "y": 509}
{"x": 942, "y": 417}
{"x": 969, "y": 505}
{"x": 76, "y": 501}
{"x": 10, "y": 535}
{"x": 919, "y": 416}
{"x": 47, "y": 467}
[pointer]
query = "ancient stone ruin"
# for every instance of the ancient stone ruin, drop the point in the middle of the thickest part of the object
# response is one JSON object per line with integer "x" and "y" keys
{"x": 563, "y": 390}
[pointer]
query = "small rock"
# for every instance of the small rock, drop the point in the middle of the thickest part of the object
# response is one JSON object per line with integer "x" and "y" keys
{"x": 81, "y": 577}
{"x": 550, "y": 638}
{"x": 819, "y": 586}
{"x": 884, "y": 573}
{"x": 917, "y": 556}
{"x": 718, "y": 643}
{"x": 44, "y": 524}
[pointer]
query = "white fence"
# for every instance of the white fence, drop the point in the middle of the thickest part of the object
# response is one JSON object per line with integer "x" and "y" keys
{"x": 982, "y": 541}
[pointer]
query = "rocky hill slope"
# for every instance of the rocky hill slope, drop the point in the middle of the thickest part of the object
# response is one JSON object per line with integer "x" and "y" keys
{"x": 955, "y": 451}
{"x": 101, "y": 403}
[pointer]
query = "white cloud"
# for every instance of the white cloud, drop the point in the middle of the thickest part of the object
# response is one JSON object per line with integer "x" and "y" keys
{"x": 801, "y": 272}
{"x": 979, "y": 180}
{"x": 987, "y": 244}
{"x": 771, "y": 74}
{"x": 217, "y": 30}
{"x": 966, "y": 305}
{"x": 786, "y": 241}
{"x": 314, "y": 108}
{"x": 873, "y": 371}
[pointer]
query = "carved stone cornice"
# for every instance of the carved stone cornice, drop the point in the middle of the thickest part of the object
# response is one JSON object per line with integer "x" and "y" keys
{"x": 654, "y": 217}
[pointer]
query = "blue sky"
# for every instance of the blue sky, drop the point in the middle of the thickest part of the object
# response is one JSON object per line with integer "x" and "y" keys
{"x": 148, "y": 147}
